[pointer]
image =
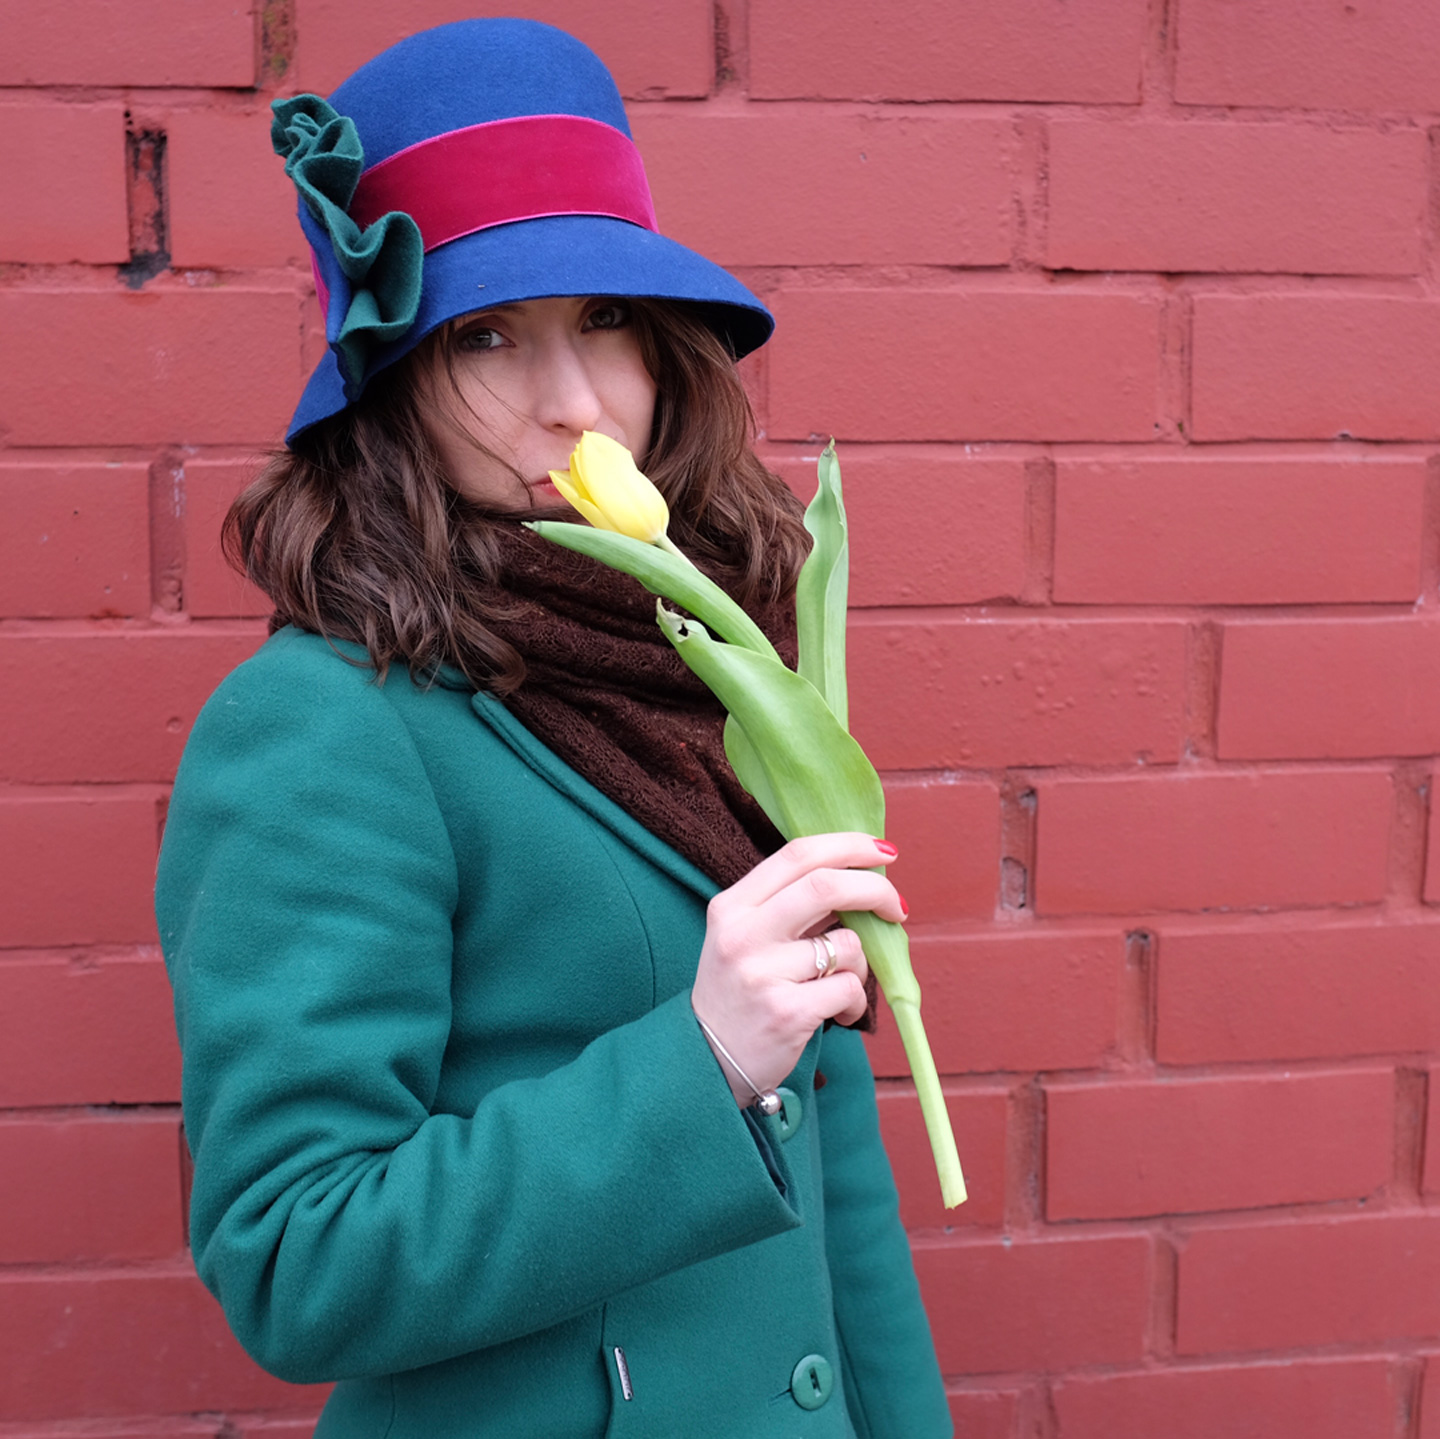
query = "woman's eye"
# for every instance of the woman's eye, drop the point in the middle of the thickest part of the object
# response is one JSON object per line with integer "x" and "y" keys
{"x": 608, "y": 317}
{"x": 482, "y": 338}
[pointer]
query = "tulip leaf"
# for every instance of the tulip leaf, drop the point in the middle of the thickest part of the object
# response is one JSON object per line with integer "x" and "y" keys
{"x": 815, "y": 776}
{"x": 822, "y": 594}
{"x": 666, "y": 575}
{"x": 747, "y": 766}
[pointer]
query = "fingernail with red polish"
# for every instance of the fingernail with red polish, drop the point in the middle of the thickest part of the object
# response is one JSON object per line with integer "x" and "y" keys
{"x": 904, "y": 908}
{"x": 885, "y": 847}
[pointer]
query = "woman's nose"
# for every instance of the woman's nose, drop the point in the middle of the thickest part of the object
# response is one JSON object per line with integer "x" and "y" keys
{"x": 566, "y": 397}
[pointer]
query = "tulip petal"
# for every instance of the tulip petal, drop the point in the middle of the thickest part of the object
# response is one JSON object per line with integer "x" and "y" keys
{"x": 578, "y": 501}
{"x": 564, "y": 481}
{"x": 597, "y": 456}
{"x": 603, "y": 476}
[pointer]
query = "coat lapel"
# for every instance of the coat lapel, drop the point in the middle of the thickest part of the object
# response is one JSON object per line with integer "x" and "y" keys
{"x": 575, "y": 787}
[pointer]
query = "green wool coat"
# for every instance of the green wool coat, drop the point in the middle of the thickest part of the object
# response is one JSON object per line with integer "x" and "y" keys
{"x": 459, "y": 1142}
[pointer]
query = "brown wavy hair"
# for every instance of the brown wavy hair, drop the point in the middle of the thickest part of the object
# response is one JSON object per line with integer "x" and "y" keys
{"x": 357, "y": 534}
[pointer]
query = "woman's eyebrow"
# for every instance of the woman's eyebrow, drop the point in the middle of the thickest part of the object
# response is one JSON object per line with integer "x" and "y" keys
{"x": 508, "y": 309}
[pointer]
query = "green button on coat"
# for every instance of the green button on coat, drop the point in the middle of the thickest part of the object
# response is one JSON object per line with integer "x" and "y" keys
{"x": 812, "y": 1381}
{"x": 787, "y": 1121}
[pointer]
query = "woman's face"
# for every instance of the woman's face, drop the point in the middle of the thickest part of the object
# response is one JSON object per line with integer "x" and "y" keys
{"x": 531, "y": 378}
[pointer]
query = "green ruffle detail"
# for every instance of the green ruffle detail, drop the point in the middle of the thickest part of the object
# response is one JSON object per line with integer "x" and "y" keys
{"x": 383, "y": 262}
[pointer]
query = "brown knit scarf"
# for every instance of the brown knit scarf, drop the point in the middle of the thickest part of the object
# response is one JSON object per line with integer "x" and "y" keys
{"x": 606, "y": 691}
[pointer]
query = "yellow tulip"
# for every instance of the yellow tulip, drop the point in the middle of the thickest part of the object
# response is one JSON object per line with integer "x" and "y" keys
{"x": 604, "y": 484}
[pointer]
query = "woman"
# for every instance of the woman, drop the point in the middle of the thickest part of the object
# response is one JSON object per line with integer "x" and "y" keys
{"x": 481, "y": 957}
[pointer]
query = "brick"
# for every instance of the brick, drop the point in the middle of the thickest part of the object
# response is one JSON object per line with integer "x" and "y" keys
{"x": 1315, "y": 366}
{"x": 114, "y": 367}
{"x": 265, "y": 1428}
{"x": 980, "y": 693}
{"x": 1054, "y": 364}
{"x": 1332, "y": 57}
{"x": 1430, "y": 1400}
{"x": 80, "y": 869}
{"x": 1212, "y": 840}
{"x": 948, "y": 835}
{"x": 76, "y": 539}
{"x": 654, "y": 48}
{"x": 1431, "y": 1179}
{"x": 1321, "y": 1399}
{"x": 802, "y": 188}
{"x": 1243, "y": 531}
{"x": 1016, "y": 1001}
{"x": 231, "y": 204}
{"x": 1302, "y": 1283}
{"x": 144, "y": 1428}
{"x": 1296, "y": 198}
{"x": 970, "y": 547}
{"x": 120, "y": 1342}
{"x": 87, "y": 1030}
{"x": 1132, "y": 1148}
{"x": 82, "y": 1189}
{"x": 127, "y": 42}
{"x": 153, "y": 683}
{"x": 1329, "y": 689}
{"x": 985, "y": 1413}
{"x": 1007, "y": 1304}
{"x": 234, "y": 1426}
{"x": 1281, "y": 990}
{"x": 979, "y": 1118}
{"x": 1432, "y": 848}
{"x": 83, "y": 219}
{"x": 212, "y": 588}
{"x": 929, "y": 50}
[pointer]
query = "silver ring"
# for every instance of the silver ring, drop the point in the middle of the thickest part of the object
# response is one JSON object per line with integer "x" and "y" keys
{"x": 825, "y": 957}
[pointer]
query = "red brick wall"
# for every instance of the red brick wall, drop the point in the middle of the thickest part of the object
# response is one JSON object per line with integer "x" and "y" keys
{"x": 1126, "y": 317}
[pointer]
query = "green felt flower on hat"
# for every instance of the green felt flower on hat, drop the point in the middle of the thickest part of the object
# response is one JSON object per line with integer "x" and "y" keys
{"x": 323, "y": 156}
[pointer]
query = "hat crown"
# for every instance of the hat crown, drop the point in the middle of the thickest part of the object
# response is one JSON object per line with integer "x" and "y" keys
{"x": 473, "y": 72}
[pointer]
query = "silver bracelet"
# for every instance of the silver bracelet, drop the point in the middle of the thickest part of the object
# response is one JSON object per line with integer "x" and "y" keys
{"x": 766, "y": 1100}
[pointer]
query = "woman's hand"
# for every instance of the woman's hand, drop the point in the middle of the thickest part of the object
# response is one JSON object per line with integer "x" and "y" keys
{"x": 758, "y": 985}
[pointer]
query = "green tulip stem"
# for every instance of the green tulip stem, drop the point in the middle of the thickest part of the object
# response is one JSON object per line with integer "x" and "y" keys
{"x": 888, "y": 951}
{"x": 932, "y": 1102}
{"x": 671, "y": 548}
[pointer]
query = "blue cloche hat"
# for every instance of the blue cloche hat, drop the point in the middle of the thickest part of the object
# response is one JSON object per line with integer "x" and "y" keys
{"x": 472, "y": 165}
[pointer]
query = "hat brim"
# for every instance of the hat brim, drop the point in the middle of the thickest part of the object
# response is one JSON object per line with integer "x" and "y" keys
{"x": 553, "y": 256}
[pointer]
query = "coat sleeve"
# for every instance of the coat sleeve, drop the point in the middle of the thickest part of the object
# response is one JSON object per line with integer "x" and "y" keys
{"x": 892, "y": 1380}
{"x": 305, "y": 896}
